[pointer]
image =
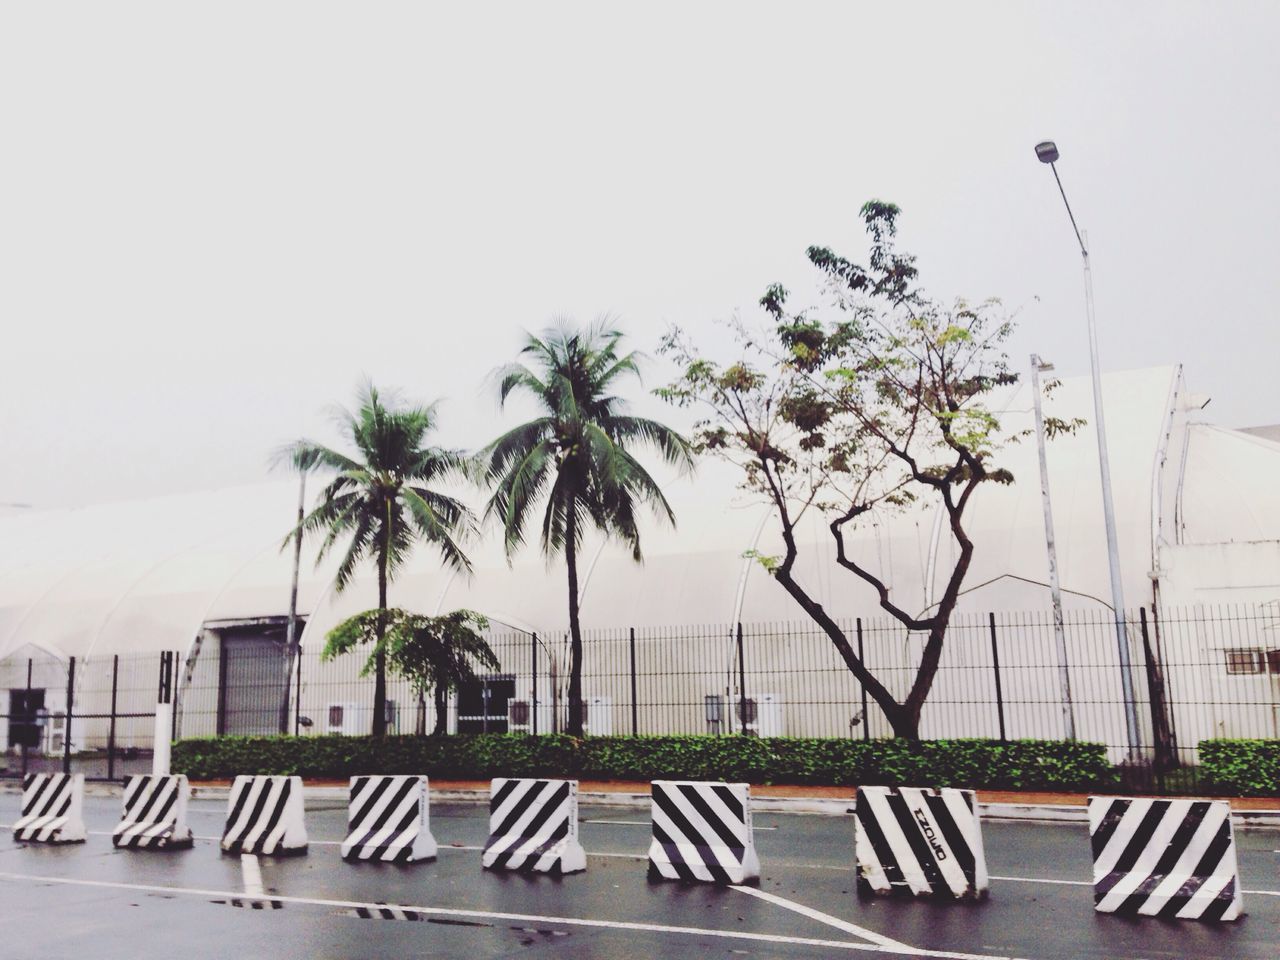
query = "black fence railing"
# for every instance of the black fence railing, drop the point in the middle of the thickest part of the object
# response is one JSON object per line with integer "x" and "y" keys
{"x": 1196, "y": 674}
{"x": 95, "y": 717}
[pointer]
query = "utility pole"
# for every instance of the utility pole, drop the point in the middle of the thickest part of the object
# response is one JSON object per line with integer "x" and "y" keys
{"x": 1047, "y": 152}
{"x": 1038, "y": 366}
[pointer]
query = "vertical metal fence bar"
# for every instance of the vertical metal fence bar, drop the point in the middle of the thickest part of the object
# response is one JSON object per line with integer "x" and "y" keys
{"x": 111, "y": 730}
{"x": 635, "y": 708}
{"x": 995, "y": 663}
{"x": 297, "y": 692}
{"x": 222, "y": 688}
{"x": 866, "y": 717}
{"x": 533, "y": 705}
{"x": 742, "y": 683}
{"x": 29, "y": 725}
{"x": 66, "y": 730}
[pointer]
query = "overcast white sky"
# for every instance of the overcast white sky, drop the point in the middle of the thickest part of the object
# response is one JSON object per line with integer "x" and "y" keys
{"x": 216, "y": 218}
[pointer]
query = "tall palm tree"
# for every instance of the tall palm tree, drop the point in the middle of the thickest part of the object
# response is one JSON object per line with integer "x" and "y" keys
{"x": 382, "y": 502}
{"x": 574, "y": 460}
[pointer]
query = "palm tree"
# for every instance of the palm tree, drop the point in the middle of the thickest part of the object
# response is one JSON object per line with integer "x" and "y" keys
{"x": 574, "y": 458}
{"x": 382, "y": 501}
{"x": 433, "y": 653}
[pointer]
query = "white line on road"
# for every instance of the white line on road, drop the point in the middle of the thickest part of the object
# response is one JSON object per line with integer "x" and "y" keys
{"x": 252, "y": 874}
{"x": 645, "y": 823}
{"x": 1089, "y": 883}
{"x": 518, "y": 917}
{"x": 772, "y": 863}
{"x": 821, "y": 917}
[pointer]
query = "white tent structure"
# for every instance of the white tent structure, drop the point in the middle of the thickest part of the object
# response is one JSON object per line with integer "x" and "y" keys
{"x": 1198, "y": 520}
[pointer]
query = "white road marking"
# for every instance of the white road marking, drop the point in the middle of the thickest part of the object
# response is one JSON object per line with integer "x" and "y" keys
{"x": 645, "y": 823}
{"x": 821, "y": 917}
{"x": 771, "y": 863}
{"x": 518, "y": 917}
{"x": 1089, "y": 883}
{"x": 252, "y": 874}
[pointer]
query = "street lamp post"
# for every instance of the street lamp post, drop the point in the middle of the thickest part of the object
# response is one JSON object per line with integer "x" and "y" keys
{"x": 1038, "y": 367}
{"x": 1047, "y": 152}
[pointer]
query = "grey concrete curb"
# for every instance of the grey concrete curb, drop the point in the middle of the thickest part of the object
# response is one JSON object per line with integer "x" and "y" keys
{"x": 324, "y": 798}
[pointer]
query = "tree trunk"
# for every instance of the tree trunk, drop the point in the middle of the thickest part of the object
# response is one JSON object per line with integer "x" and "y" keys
{"x": 575, "y": 726}
{"x": 442, "y": 710}
{"x": 380, "y": 657}
{"x": 1166, "y": 745}
{"x": 903, "y": 724}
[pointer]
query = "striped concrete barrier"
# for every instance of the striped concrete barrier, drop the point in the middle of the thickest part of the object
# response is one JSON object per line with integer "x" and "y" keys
{"x": 533, "y": 827}
{"x": 919, "y": 842}
{"x": 155, "y": 814}
{"x": 264, "y": 816}
{"x": 387, "y": 821}
{"x": 52, "y": 809}
{"x": 702, "y": 832}
{"x": 1174, "y": 859}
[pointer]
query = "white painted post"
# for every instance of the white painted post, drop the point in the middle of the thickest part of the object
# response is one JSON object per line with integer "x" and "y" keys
{"x": 163, "y": 739}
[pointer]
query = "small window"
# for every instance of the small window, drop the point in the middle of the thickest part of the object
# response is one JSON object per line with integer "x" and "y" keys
{"x": 519, "y": 712}
{"x": 1273, "y": 661}
{"x": 335, "y": 716}
{"x": 1244, "y": 660}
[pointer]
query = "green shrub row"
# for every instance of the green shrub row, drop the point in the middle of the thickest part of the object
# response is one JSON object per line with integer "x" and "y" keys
{"x": 1240, "y": 768}
{"x": 987, "y": 764}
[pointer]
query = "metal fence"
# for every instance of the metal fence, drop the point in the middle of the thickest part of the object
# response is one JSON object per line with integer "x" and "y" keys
{"x": 1197, "y": 673}
{"x": 95, "y": 717}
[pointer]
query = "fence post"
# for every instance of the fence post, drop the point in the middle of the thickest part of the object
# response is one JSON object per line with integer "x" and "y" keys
{"x": 742, "y": 683}
{"x": 30, "y": 725}
{"x": 866, "y": 717}
{"x": 297, "y": 693}
{"x": 533, "y": 706}
{"x": 222, "y": 689}
{"x": 995, "y": 660}
{"x": 66, "y": 731}
{"x": 163, "y": 736}
{"x": 635, "y": 711}
{"x": 111, "y": 730}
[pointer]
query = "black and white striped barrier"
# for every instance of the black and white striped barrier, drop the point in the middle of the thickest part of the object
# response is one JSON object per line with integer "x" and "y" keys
{"x": 264, "y": 816}
{"x": 702, "y": 832}
{"x": 1174, "y": 859}
{"x": 155, "y": 814}
{"x": 52, "y": 808}
{"x": 919, "y": 842}
{"x": 533, "y": 827}
{"x": 387, "y": 821}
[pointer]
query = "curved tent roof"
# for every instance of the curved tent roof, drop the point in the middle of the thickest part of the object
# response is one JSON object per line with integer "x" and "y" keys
{"x": 146, "y": 575}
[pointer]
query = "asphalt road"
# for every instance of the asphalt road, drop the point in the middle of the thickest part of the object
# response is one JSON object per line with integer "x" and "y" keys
{"x": 90, "y": 900}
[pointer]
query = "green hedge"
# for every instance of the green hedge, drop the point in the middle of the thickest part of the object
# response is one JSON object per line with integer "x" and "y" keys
{"x": 1240, "y": 768}
{"x": 989, "y": 764}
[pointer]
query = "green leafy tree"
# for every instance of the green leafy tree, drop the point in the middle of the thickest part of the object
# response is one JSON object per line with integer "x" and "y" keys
{"x": 433, "y": 653}
{"x": 383, "y": 499}
{"x": 574, "y": 462}
{"x": 869, "y": 411}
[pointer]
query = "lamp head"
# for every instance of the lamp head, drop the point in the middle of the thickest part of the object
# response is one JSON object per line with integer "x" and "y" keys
{"x": 1047, "y": 151}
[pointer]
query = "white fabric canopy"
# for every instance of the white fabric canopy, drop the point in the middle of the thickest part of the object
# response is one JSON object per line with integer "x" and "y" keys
{"x": 145, "y": 575}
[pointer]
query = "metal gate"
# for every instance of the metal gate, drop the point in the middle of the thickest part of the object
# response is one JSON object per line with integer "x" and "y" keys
{"x": 482, "y": 703}
{"x": 94, "y": 716}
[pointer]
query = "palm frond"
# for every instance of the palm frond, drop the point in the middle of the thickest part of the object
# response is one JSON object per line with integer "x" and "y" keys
{"x": 439, "y": 526}
{"x": 675, "y": 449}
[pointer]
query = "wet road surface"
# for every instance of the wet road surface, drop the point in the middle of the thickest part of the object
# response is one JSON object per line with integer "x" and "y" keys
{"x": 90, "y": 900}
